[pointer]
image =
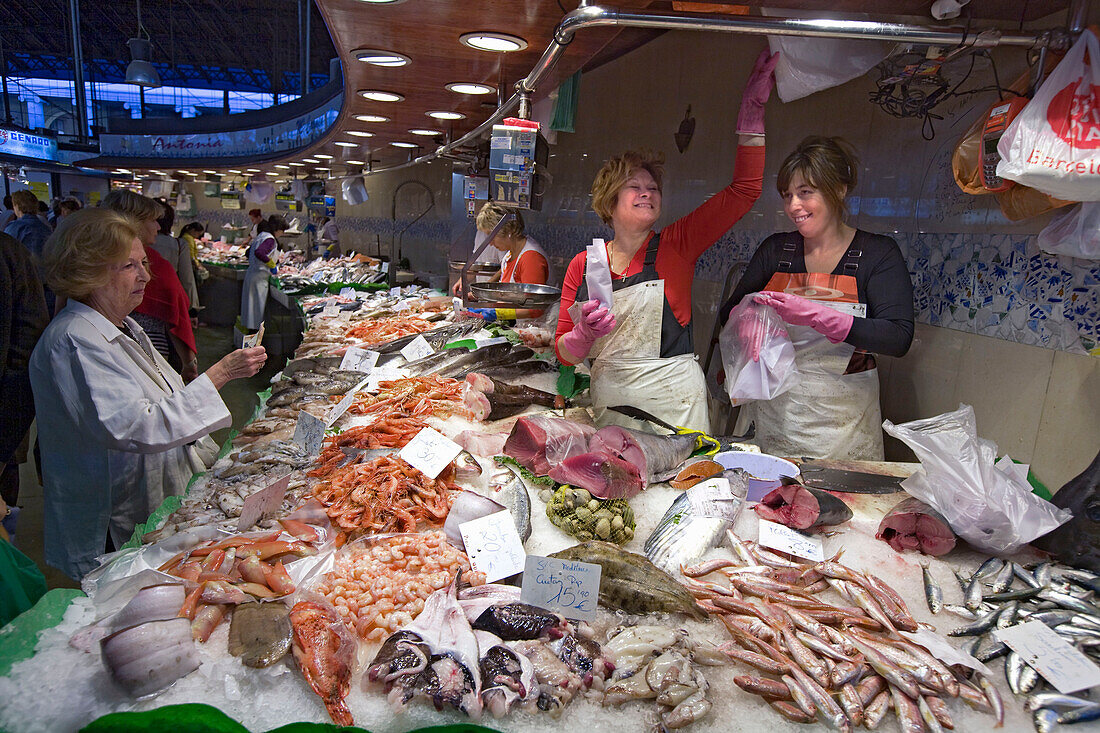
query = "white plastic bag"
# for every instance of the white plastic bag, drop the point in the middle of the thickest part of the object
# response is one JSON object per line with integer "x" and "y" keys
{"x": 775, "y": 372}
{"x": 985, "y": 504}
{"x": 1074, "y": 232}
{"x": 1053, "y": 145}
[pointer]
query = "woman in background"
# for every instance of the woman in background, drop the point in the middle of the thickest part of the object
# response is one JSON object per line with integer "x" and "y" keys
{"x": 263, "y": 258}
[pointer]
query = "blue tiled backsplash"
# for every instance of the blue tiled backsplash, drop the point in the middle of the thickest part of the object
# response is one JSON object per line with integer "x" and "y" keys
{"x": 997, "y": 285}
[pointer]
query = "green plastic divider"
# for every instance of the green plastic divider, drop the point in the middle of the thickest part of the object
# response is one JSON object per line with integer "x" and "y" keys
{"x": 18, "y": 638}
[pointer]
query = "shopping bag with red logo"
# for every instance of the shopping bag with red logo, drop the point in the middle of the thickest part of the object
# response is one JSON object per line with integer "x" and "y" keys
{"x": 1053, "y": 145}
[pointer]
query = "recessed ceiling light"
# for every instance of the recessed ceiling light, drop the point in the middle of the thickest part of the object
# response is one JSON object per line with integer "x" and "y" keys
{"x": 381, "y": 58}
{"x": 382, "y": 2}
{"x": 323, "y": 156}
{"x": 284, "y": 167}
{"x": 354, "y": 162}
{"x": 344, "y": 144}
{"x": 444, "y": 115}
{"x": 372, "y": 118}
{"x": 310, "y": 160}
{"x": 213, "y": 173}
{"x": 425, "y": 132}
{"x": 463, "y": 87}
{"x": 319, "y": 168}
{"x": 253, "y": 170}
{"x": 360, "y": 133}
{"x": 403, "y": 144}
{"x": 492, "y": 41}
{"x": 297, "y": 164}
{"x": 159, "y": 173}
{"x": 379, "y": 95}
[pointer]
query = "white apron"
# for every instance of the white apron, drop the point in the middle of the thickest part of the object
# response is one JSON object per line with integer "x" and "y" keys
{"x": 627, "y": 368}
{"x": 254, "y": 291}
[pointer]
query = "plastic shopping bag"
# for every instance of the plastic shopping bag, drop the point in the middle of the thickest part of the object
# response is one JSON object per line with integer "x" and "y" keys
{"x": 775, "y": 372}
{"x": 984, "y": 500}
{"x": 1053, "y": 145}
{"x": 1074, "y": 232}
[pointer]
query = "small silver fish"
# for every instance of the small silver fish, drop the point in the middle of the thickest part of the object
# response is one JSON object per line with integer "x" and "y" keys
{"x": 1004, "y": 578}
{"x": 681, "y": 537}
{"x": 507, "y": 488}
{"x": 933, "y": 594}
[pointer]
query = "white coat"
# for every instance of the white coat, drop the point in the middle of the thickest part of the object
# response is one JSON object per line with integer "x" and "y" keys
{"x": 119, "y": 432}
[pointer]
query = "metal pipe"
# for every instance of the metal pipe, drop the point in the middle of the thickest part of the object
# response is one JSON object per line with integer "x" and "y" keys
{"x": 4, "y": 83}
{"x": 81, "y": 112}
{"x": 595, "y": 16}
{"x": 1078, "y": 13}
{"x": 524, "y": 105}
{"x": 303, "y": 47}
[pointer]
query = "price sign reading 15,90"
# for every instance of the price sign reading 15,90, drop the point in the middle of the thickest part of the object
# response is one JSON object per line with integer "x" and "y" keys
{"x": 567, "y": 587}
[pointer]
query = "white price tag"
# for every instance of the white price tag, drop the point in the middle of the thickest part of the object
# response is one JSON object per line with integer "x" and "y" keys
{"x": 418, "y": 348}
{"x": 255, "y": 339}
{"x": 309, "y": 433}
{"x": 385, "y": 267}
{"x": 318, "y": 276}
{"x": 785, "y": 539}
{"x": 343, "y": 405}
{"x": 1052, "y": 656}
{"x": 358, "y": 359}
{"x": 330, "y": 311}
{"x": 938, "y": 647}
{"x": 263, "y": 504}
{"x": 395, "y": 291}
{"x": 493, "y": 545}
{"x": 481, "y": 343}
{"x": 568, "y": 587}
{"x": 713, "y": 498}
{"x": 383, "y": 374}
{"x": 402, "y": 305}
{"x": 348, "y": 292}
{"x": 430, "y": 452}
{"x": 482, "y": 335}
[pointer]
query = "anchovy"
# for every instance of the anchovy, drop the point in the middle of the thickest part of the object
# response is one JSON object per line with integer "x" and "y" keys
{"x": 933, "y": 594}
{"x": 1090, "y": 712}
{"x": 1003, "y": 581}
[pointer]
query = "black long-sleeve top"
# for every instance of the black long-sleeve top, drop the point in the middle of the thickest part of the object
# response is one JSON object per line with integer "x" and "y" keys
{"x": 882, "y": 282}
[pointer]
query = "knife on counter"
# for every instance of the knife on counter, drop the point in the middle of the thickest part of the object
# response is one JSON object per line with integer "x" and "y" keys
{"x": 820, "y": 475}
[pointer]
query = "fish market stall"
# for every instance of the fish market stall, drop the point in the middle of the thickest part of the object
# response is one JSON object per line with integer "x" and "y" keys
{"x": 316, "y": 574}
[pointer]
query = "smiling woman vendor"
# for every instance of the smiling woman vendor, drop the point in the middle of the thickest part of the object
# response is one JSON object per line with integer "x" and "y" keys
{"x": 642, "y": 350}
{"x": 845, "y": 295}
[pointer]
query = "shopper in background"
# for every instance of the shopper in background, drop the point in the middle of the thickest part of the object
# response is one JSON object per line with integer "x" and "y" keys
{"x": 65, "y": 207}
{"x": 31, "y": 232}
{"x": 11, "y": 211}
{"x": 191, "y": 234}
{"x": 524, "y": 260}
{"x": 119, "y": 429}
{"x": 263, "y": 257}
{"x": 23, "y": 315}
{"x": 327, "y": 238}
{"x": 164, "y": 313}
{"x": 177, "y": 253}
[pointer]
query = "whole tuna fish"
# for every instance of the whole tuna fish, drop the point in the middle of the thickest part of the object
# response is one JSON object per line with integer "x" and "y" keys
{"x": 1077, "y": 542}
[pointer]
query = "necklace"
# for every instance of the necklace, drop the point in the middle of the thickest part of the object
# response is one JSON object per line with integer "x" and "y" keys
{"x": 126, "y": 330}
{"x": 626, "y": 267}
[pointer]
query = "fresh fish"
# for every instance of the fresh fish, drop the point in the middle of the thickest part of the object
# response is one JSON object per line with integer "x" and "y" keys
{"x": 260, "y": 633}
{"x": 436, "y": 337}
{"x": 490, "y": 399}
{"x": 325, "y": 652}
{"x": 1021, "y": 594}
{"x": 1055, "y": 701}
{"x": 1069, "y": 602}
{"x": 1025, "y": 576}
{"x": 539, "y": 442}
{"x": 631, "y": 582}
{"x": 990, "y": 567}
{"x": 403, "y": 653}
{"x": 658, "y": 457}
{"x": 982, "y": 625}
{"x": 973, "y": 597}
{"x": 517, "y": 621}
{"x": 1076, "y": 542}
{"x": 913, "y": 525}
{"x": 1003, "y": 581}
{"x": 507, "y": 488}
{"x": 1045, "y": 720}
{"x": 802, "y": 507}
{"x": 933, "y": 594}
{"x": 517, "y": 370}
{"x": 682, "y": 535}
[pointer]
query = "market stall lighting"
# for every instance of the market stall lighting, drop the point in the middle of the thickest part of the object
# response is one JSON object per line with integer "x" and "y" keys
{"x": 310, "y": 160}
{"x": 344, "y": 144}
{"x": 253, "y": 170}
{"x": 297, "y": 165}
{"x": 466, "y": 87}
{"x": 379, "y": 95}
{"x": 403, "y": 144}
{"x": 425, "y": 132}
{"x": 372, "y": 118}
{"x": 283, "y": 166}
{"x": 354, "y": 162}
{"x": 360, "y": 133}
{"x": 231, "y": 170}
{"x": 159, "y": 173}
{"x": 322, "y": 156}
{"x": 319, "y": 168}
{"x": 213, "y": 173}
{"x": 493, "y": 41}
{"x": 376, "y": 57}
{"x": 444, "y": 115}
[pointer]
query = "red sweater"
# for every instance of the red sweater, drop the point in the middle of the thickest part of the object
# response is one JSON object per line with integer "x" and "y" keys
{"x": 166, "y": 300}
{"x": 683, "y": 240}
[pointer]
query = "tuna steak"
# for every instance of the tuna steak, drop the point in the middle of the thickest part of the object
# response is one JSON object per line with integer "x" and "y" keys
{"x": 657, "y": 457}
{"x": 605, "y": 475}
{"x": 1077, "y": 542}
{"x": 913, "y": 525}
{"x": 802, "y": 507}
{"x": 540, "y": 442}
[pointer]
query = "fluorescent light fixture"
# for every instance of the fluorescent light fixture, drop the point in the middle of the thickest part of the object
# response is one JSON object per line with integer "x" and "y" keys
{"x": 425, "y": 132}
{"x": 359, "y": 133}
{"x": 284, "y": 167}
{"x": 344, "y": 144}
{"x": 466, "y": 87}
{"x": 310, "y": 160}
{"x": 493, "y": 41}
{"x": 319, "y": 168}
{"x": 231, "y": 170}
{"x": 372, "y": 118}
{"x": 380, "y": 95}
{"x": 354, "y": 162}
{"x": 323, "y": 156}
{"x": 159, "y": 173}
{"x": 444, "y": 115}
{"x": 122, "y": 170}
{"x": 297, "y": 164}
{"x": 376, "y": 57}
{"x": 213, "y": 173}
{"x": 253, "y": 170}
{"x": 403, "y": 144}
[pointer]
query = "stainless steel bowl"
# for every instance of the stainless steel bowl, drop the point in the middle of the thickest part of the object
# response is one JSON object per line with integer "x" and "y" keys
{"x": 533, "y": 296}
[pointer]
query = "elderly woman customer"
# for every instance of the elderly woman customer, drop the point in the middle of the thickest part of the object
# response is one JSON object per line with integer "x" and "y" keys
{"x": 119, "y": 430}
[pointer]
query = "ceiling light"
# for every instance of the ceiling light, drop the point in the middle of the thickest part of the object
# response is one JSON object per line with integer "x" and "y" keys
{"x": 491, "y": 41}
{"x": 122, "y": 170}
{"x": 159, "y": 173}
{"x": 359, "y": 133}
{"x": 382, "y": 2}
{"x": 233, "y": 171}
{"x": 213, "y": 173}
{"x": 319, "y": 168}
{"x": 462, "y": 87}
{"x": 354, "y": 162}
{"x": 425, "y": 132}
{"x": 297, "y": 165}
{"x": 378, "y": 95}
{"x": 443, "y": 115}
{"x": 284, "y": 167}
{"x": 403, "y": 144}
{"x": 372, "y": 118}
{"x": 310, "y": 160}
{"x": 343, "y": 144}
{"x": 381, "y": 58}
{"x": 253, "y": 170}
{"x": 140, "y": 71}
{"x": 324, "y": 156}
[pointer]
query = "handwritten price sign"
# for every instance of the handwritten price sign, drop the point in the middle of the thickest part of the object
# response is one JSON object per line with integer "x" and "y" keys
{"x": 493, "y": 545}
{"x": 567, "y": 587}
{"x": 1052, "y": 656}
{"x": 713, "y": 498}
{"x": 309, "y": 433}
{"x": 342, "y": 406}
{"x": 358, "y": 359}
{"x": 430, "y": 452}
{"x": 418, "y": 348}
{"x": 263, "y": 503}
{"x": 785, "y": 539}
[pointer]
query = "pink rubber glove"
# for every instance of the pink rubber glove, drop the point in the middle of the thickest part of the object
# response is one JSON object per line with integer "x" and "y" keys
{"x": 750, "y": 119}
{"x": 800, "y": 311}
{"x": 596, "y": 321}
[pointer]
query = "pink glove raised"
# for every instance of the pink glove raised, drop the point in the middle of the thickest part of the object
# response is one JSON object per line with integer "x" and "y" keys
{"x": 800, "y": 311}
{"x": 596, "y": 321}
{"x": 750, "y": 119}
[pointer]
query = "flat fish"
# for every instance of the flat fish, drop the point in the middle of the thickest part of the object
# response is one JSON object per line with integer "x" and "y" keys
{"x": 631, "y": 582}
{"x": 260, "y": 633}
{"x": 802, "y": 507}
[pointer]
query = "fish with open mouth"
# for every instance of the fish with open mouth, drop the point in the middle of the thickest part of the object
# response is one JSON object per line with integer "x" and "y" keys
{"x": 683, "y": 534}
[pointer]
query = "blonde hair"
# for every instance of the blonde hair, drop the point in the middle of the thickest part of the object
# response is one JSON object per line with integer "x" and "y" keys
{"x": 616, "y": 172}
{"x": 491, "y": 214}
{"x": 76, "y": 259}
{"x": 829, "y": 164}
{"x": 134, "y": 205}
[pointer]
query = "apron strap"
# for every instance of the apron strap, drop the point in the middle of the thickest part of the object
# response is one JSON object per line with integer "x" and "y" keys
{"x": 787, "y": 252}
{"x": 852, "y": 258}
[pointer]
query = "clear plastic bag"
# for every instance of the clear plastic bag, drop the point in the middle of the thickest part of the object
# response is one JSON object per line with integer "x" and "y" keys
{"x": 985, "y": 503}
{"x": 775, "y": 371}
{"x": 1074, "y": 232}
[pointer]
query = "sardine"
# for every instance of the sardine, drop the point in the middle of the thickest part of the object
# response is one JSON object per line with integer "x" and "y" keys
{"x": 1003, "y": 581}
{"x": 933, "y": 594}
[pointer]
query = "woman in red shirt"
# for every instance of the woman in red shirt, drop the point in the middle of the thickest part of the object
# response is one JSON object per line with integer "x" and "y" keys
{"x": 641, "y": 343}
{"x": 524, "y": 261}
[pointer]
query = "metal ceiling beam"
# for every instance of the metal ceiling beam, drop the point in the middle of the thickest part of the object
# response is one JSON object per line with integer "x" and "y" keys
{"x": 596, "y": 16}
